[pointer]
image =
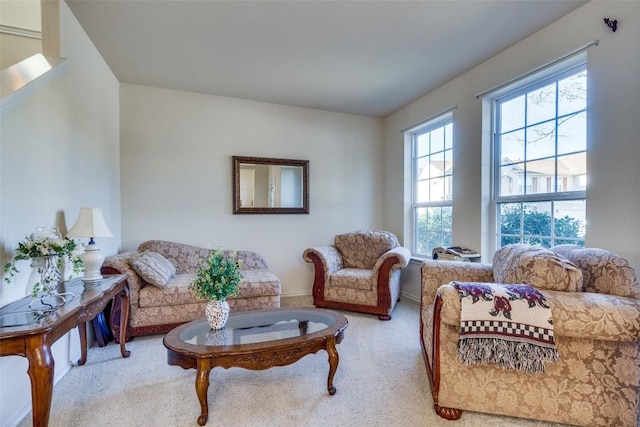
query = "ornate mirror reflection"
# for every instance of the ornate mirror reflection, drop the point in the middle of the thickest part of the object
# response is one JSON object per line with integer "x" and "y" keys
{"x": 270, "y": 186}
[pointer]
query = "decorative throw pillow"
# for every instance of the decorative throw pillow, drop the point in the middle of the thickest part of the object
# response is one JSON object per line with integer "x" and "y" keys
{"x": 603, "y": 271}
{"x": 536, "y": 266}
{"x": 153, "y": 268}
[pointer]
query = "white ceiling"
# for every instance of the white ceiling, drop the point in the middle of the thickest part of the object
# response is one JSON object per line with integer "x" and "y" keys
{"x": 362, "y": 57}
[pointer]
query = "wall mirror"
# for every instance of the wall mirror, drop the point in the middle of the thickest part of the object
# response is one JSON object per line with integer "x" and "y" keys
{"x": 270, "y": 186}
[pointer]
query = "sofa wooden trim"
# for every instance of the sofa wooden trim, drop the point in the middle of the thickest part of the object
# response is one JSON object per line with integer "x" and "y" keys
{"x": 434, "y": 373}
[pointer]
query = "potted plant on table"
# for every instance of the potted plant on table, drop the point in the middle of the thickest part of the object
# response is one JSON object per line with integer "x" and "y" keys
{"x": 47, "y": 252}
{"x": 216, "y": 279}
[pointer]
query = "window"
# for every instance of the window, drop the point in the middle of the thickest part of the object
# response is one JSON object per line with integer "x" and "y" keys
{"x": 540, "y": 161}
{"x": 432, "y": 172}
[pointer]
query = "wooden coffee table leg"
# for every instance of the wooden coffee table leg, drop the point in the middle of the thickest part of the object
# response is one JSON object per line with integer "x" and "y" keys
{"x": 333, "y": 363}
{"x": 202, "y": 386}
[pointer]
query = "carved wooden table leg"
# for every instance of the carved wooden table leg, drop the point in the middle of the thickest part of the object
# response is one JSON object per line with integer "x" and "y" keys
{"x": 333, "y": 363}
{"x": 41, "y": 369}
{"x": 82, "y": 329}
{"x": 202, "y": 386}
{"x": 124, "y": 319}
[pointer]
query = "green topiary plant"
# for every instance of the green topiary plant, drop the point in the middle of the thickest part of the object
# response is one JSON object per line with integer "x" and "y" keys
{"x": 217, "y": 277}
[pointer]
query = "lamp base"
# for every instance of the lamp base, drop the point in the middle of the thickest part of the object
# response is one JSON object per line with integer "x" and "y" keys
{"x": 92, "y": 259}
{"x": 91, "y": 280}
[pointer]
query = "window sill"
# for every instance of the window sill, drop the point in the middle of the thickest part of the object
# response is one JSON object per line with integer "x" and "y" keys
{"x": 417, "y": 259}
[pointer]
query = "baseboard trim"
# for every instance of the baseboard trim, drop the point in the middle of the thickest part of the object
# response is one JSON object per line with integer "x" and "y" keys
{"x": 296, "y": 294}
{"x": 409, "y": 297}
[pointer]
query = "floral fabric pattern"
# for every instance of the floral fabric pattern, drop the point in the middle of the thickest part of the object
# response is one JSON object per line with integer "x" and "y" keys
{"x": 536, "y": 266}
{"x": 602, "y": 271}
{"x": 596, "y": 381}
{"x": 151, "y": 306}
{"x": 591, "y": 385}
{"x": 148, "y": 319}
{"x": 347, "y": 281}
{"x": 578, "y": 315}
{"x": 122, "y": 263}
{"x": 352, "y": 278}
{"x": 153, "y": 268}
{"x": 186, "y": 257}
{"x": 176, "y": 292}
{"x": 329, "y": 256}
{"x": 437, "y": 273}
{"x": 361, "y": 249}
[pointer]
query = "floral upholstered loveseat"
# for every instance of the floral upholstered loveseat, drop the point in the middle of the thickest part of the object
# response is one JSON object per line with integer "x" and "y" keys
{"x": 359, "y": 272}
{"x": 595, "y": 306}
{"x": 159, "y": 275}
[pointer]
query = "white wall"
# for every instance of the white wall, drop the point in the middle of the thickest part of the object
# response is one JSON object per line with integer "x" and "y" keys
{"x": 21, "y": 14}
{"x": 59, "y": 151}
{"x": 176, "y": 174}
{"x": 613, "y": 195}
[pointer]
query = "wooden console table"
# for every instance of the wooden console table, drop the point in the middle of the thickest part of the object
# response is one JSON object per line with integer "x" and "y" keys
{"x": 30, "y": 331}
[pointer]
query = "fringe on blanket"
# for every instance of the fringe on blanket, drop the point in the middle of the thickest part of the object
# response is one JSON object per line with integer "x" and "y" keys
{"x": 523, "y": 356}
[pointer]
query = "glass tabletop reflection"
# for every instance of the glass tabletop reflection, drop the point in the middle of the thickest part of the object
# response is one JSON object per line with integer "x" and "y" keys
{"x": 256, "y": 327}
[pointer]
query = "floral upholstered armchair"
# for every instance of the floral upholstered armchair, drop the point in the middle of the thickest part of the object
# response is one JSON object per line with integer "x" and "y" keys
{"x": 594, "y": 299}
{"x": 359, "y": 272}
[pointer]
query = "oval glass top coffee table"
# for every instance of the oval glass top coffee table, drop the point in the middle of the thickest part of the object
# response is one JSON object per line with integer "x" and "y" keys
{"x": 255, "y": 340}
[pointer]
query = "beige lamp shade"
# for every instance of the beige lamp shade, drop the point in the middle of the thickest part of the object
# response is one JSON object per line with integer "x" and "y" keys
{"x": 91, "y": 224}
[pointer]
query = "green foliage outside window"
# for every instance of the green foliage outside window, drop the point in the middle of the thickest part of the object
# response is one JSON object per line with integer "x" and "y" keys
{"x": 534, "y": 228}
{"x": 433, "y": 228}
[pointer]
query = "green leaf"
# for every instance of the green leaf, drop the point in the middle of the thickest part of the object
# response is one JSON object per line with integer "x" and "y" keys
{"x": 217, "y": 277}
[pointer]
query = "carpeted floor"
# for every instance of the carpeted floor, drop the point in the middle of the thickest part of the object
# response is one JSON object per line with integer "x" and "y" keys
{"x": 381, "y": 381}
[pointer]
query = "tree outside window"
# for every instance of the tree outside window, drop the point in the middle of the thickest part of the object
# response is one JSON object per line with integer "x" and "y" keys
{"x": 525, "y": 223}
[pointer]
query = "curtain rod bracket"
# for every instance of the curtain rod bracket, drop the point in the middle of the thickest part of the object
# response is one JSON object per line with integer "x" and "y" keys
{"x": 613, "y": 25}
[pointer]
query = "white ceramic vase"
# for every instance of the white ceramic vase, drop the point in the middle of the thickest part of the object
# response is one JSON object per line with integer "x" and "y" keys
{"x": 217, "y": 313}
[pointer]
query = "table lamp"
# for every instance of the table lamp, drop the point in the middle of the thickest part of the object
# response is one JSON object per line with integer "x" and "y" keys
{"x": 90, "y": 224}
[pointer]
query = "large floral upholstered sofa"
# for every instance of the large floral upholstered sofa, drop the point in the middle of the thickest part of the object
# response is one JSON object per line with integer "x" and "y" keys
{"x": 359, "y": 272}
{"x": 594, "y": 300}
{"x": 159, "y": 275}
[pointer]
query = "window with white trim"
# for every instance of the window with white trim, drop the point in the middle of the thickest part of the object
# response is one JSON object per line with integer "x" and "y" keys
{"x": 432, "y": 172}
{"x": 540, "y": 161}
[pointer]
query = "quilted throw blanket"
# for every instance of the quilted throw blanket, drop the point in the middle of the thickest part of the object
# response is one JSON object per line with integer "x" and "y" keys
{"x": 510, "y": 325}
